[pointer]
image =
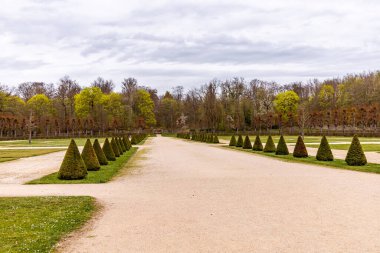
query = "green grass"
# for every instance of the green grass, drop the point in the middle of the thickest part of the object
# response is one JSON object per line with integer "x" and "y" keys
{"x": 366, "y": 147}
{"x": 13, "y": 154}
{"x": 337, "y": 163}
{"x": 36, "y": 224}
{"x": 104, "y": 175}
{"x": 46, "y": 142}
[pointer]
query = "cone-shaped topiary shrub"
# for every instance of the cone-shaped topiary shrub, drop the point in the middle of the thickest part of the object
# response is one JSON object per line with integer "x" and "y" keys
{"x": 133, "y": 140}
{"x": 119, "y": 145}
{"x": 247, "y": 143}
{"x": 355, "y": 155}
{"x": 108, "y": 151}
{"x": 269, "y": 145}
{"x": 89, "y": 157}
{"x": 233, "y": 141}
{"x": 99, "y": 153}
{"x": 300, "y": 149}
{"x": 115, "y": 148}
{"x": 124, "y": 148}
{"x": 216, "y": 139}
{"x": 257, "y": 145}
{"x": 73, "y": 166}
{"x": 239, "y": 142}
{"x": 324, "y": 151}
{"x": 127, "y": 143}
{"x": 282, "y": 149}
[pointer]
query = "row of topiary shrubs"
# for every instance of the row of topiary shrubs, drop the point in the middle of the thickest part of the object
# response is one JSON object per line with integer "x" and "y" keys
{"x": 137, "y": 138}
{"x": 355, "y": 155}
{"x": 202, "y": 137}
{"x": 76, "y": 165}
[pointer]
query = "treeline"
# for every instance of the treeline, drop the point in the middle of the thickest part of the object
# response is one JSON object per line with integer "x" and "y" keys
{"x": 342, "y": 105}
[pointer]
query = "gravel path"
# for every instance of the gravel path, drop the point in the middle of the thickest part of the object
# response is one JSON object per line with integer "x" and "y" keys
{"x": 182, "y": 196}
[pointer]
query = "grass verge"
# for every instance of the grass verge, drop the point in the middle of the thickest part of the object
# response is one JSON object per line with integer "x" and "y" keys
{"x": 46, "y": 142}
{"x": 366, "y": 147}
{"x": 337, "y": 163}
{"x": 36, "y": 224}
{"x": 14, "y": 154}
{"x": 104, "y": 175}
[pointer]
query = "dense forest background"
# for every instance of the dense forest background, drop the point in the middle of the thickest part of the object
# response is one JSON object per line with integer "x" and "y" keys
{"x": 335, "y": 106}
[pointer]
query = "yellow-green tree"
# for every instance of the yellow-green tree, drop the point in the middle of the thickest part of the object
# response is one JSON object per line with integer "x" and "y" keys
{"x": 145, "y": 107}
{"x": 38, "y": 105}
{"x": 286, "y": 103}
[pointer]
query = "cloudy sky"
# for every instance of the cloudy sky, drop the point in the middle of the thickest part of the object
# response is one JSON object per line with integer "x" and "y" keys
{"x": 169, "y": 43}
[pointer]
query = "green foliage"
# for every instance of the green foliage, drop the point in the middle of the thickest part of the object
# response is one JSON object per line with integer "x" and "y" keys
{"x": 86, "y": 101}
{"x": 326, "y": 96}
{"x": 115, "y": 148}
{"x": 282, "y": 149}
{"x": 286, "y": 103}
{"x": 300, "y": 150}
{"x": 99, "y": 153}
{"x": 127, "y": 142}
{"x": 112, "y": 104}
{"x": 216, "y": 139}
{"x": 39, "y": 104}
{"x": 355, "y": 155}
{"x": 247, "y": 143}
{"x": 269, "y": 145}
{"x": 89, "y": 157}
{"x": 233, "y": 141}
{"x": 133, "y": 140}
{"x": 324, "y": 151}
{"x": 119, "y": 145}
{"x": 145, "y": 106}
{"x": 122, "y": 145}
{"x": 257, "y": 145}
{"x": 73, "y": 166}
{"x": 108, "y": 150}
{"x": 239, "y": 142}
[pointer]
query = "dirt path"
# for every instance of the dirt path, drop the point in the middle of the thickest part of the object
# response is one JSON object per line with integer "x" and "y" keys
{"x": 183, "y": 196}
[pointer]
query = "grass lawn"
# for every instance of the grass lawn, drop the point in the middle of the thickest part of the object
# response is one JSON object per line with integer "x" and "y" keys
{"x": 36, "y": 224}
{"x": 46, "y": 142}
{"x": 13, "y": 154}
{"x": 366, "y": 147}
{"x": 337, "y": 163}
{"x": 104, "y": 175}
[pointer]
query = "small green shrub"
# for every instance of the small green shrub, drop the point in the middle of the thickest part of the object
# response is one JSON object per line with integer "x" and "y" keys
{"x": 282, "y": 149}
{"x": 247, "y": 143}
{"x": 239, "y": 142}
{"x": 127, "y": 142}
{"x": 300, "y": 150}
{"x": 324, "y": 151}
{"x": 119, "y": 145}
{"x": 99, "y": 153}
{"x": 115, "y": 148}
{"x": 233, "y": 141}
{"x": 257, "y": 145}
{"x": 269, "y": 145}
{"x": 216, "y": 139}
{"x": 73, "y": 166}
{"x": 355, "y": 155}
{"x": 89, "y": 157}
{"x": 108, "y": 150}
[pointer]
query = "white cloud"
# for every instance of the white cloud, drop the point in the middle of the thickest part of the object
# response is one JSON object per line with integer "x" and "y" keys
{"x": 165, "y": 43}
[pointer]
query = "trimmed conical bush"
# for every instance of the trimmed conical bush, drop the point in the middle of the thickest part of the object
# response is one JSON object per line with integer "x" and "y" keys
{"x": 282, "y": 149}
{"x": 324, "y": 151}
{"x": 108, "y": 150}
{"x": 122, "y": 144}
{"x": 300, "y": 149}
{"x": 216, "y": 139}
{"x": 119, "y": 145}
{"x": 269, "y": 145}
{"x": 89, "y": 157}
{"x": 247, "y": 143}
{"x": 99, "y": 153}
{"x": 355, "y": 155}
{"x": 257, "y": 145}
{"x": 233, "y": 141}
{"x": 73, "y": 166}
{"x": 239, "y": 142}
{"x": 127, "y": 142}
{"x": 133, "y": 140}
{"x": 115, "y": 148}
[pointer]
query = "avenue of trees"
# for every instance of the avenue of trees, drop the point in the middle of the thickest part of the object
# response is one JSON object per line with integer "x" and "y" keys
{"x": 338, "y": 106}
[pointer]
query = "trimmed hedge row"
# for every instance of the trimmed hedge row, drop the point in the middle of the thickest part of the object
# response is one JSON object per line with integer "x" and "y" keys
{"x": 75, "y": 165}
{"x": 202, "y": 137}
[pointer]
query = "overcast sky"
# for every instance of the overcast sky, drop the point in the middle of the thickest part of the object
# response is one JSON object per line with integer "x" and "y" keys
{"x": 169, "y": 43}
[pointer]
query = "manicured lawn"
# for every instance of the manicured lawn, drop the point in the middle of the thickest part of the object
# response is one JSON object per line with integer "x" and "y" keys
{"x": 36, "y": 224}
{"x": 337, "y": 163}
{"x": 46, "y": 142}
{"x": 104, "y": 175}
{"x": 13, "y": 154}
{"x": 366, "y": 147}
